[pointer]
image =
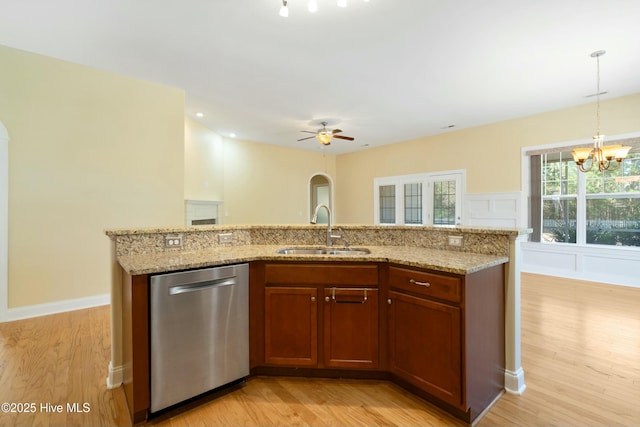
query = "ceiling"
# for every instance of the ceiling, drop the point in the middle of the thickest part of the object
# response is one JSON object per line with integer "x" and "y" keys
{"x": 383, "y": 71}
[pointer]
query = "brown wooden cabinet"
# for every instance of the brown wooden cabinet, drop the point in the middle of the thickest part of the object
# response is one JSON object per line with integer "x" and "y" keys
{"x": 338, "y": 330}
{"x": 351, "y": 328}
{"x": 135, "y": 345}
{"x": 425, "y": 345}
{"x": 291, "y": 326}
{"x": 446, "y": 336}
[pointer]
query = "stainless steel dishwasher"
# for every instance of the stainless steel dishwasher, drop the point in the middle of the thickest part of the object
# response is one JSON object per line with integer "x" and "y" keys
{"x": 199, "y": 325}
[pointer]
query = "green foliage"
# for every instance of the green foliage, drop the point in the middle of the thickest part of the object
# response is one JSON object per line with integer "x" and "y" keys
{"x": 612, "y": 201}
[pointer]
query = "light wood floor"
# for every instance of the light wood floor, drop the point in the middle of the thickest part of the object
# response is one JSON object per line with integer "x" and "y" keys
{"x": 580, "y": 351}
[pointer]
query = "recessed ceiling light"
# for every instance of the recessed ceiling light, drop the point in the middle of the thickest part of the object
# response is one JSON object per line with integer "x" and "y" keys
{"x": 448, "y": 127}
{"x": 232, "y": 135}
{"x": 199, "y": 114}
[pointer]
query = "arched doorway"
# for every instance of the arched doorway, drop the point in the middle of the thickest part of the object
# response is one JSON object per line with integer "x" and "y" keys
{"x": 320, "y": 192}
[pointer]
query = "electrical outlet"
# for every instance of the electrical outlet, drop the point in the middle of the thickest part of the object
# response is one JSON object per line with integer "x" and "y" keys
{"x": 225, "y": 238}
{"x": 455, "y": 240}
{"x": 173, "y": 241}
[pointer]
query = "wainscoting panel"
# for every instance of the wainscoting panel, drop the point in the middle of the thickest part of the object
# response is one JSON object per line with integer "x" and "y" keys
{"x": 617, "y": 266}
{"x": 493, "y": 210}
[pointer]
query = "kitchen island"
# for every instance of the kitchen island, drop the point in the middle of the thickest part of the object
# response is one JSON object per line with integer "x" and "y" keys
{"x": 411, "y": 277}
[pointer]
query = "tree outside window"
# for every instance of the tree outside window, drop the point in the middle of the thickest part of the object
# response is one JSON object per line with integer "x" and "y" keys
{"x": 601, "y": 208}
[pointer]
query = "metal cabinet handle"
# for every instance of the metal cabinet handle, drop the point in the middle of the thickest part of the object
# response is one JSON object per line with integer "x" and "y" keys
{"x": 415, "y": 282}
{"x": 365, "y": 296}
{"x": 389, "y": 301}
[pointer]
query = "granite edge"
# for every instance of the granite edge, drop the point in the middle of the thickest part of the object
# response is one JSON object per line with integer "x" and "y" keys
{"x": 186, "y": 229}
{"x": 174, "y": 262}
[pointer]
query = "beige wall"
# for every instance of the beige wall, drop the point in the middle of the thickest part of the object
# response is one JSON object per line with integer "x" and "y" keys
{"x": 267, "y": 184}
{"x": 258, "y": 183}
{"x": 475, "y": 150}
{"x": 89, "y": 150}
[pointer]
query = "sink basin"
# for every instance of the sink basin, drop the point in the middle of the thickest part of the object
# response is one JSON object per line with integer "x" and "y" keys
{"x": 356, "y": 251}
{"x": 302, "y": 251}
{"x": 323, "y": 251}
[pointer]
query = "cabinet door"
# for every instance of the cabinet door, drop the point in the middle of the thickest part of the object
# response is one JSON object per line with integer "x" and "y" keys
{"x": 351, "y": 328}
{"x": 425, "y": 345}
{"x": 291, "y": 326}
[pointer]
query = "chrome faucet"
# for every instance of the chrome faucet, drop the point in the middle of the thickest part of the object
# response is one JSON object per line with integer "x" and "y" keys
{"x": 330, "y": 235}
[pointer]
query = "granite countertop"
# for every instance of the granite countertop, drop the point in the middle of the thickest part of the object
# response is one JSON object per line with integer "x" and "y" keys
{"x": 434, "y": 259}
{"x": 222, "y": 228}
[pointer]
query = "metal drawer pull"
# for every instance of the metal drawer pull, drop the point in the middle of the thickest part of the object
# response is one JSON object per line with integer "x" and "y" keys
{"x": 415, "y": 282}
{"x": 333, "y": 297}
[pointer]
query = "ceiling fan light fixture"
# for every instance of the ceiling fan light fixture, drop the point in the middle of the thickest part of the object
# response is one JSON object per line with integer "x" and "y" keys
{"x": 284, "y": 10}
{"x": 313, "y": 6}
{"x": 324, "y": 137}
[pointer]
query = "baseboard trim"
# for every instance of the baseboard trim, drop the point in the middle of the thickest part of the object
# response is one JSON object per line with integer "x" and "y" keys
{"x": 514, "y": 381}
{"x": 115, "y": 376}
{"x": 37, "y": 310}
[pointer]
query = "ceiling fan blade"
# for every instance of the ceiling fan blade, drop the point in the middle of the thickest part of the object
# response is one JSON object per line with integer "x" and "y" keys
{"x": 306, "y": 131}
{"x": 309, "y": 137}
{"x": 336, "y": 131}
{"x": 348, "y": 138}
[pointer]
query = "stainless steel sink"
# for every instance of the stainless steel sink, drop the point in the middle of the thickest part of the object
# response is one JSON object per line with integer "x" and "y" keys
{"x": 356, "y": 251}
{"x": 323, "y": 251}
{"x": 302, "y": 251}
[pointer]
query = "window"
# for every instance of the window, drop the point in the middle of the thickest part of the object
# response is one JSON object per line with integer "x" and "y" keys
{"x": 559, "y": 197}
{"x": 421, "y": 199}
{"x": 599, "y": 208}
{"x": 413, "y": 203}
{"x": 387, "y": 195}
{"x": 444, "y": 202}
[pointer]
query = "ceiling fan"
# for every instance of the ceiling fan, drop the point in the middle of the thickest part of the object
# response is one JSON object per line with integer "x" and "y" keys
{"x": 325, "y": 135}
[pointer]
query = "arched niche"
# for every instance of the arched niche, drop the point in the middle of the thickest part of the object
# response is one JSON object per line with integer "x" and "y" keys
{"x": 320, "y": 192}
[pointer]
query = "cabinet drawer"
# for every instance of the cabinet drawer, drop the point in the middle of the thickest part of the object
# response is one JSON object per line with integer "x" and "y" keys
{"x": 321, "y": 274}
{"x": 429, "y": 284}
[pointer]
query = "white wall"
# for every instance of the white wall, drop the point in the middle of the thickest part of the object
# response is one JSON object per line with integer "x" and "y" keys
{"x": 493, "y": 210}
{"x": 613, "y": 265}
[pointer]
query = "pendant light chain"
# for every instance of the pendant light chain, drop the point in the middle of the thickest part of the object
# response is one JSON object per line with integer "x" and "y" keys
{"x": 598, "y": 94}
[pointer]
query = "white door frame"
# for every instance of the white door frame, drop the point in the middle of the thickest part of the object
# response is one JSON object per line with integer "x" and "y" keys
{"x": 4, "y": 223}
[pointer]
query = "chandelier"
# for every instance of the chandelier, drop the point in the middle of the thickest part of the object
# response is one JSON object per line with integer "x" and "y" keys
{"x": 312, "y": 6}
{"x": 601, "y": 155}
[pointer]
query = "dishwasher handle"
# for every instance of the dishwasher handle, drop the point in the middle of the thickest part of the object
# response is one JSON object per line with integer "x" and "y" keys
{"x": 200, "y": 286}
